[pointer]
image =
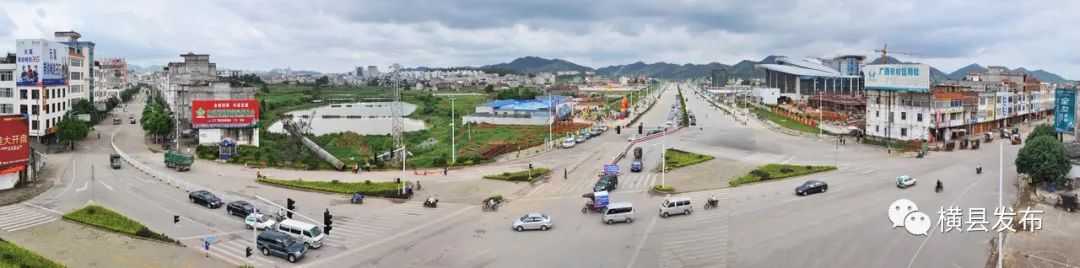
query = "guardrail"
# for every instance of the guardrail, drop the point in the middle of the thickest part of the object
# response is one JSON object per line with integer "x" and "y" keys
{"x": 639, "y": 140}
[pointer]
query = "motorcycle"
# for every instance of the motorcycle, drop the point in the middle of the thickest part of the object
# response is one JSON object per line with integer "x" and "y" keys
{"x": 490, "y": 207}
{"x": 711, "y": 203}
{"x": 978, "y": 170}
{"x": 357, "y": 198}
{"x": 431, "y": 202}
{"x": 939, "y": 187}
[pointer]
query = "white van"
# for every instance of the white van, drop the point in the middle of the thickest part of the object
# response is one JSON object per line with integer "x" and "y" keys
{"x": 308, "y": 233}
{"x": 675, "y": 205}
{"x": 618, "y": 212}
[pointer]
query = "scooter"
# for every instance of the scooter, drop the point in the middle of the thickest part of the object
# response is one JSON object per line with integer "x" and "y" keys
{"x": 357, "y": 198}
{"x": 711, "y": 203}
{"x": 978, "y": 170}
{"x": 939, "y": 187}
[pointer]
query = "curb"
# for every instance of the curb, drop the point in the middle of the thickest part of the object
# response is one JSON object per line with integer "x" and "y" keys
{"x": 177, "y": 243}
{"x": 32, "y": 195}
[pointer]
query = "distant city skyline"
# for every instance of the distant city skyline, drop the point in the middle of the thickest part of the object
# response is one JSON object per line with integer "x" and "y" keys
{"x": 335, "y": 36}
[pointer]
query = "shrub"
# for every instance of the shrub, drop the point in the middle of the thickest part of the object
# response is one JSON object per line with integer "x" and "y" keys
{"x": 761, "y": 174}
{"x": 785, "y": 170}
{"x": 524, "y": 175}
{"x": 101, "y": 217}
{"x": 664, "y": 188}
{"x": 776, "y": 172}
{"x": 12, "y": 255}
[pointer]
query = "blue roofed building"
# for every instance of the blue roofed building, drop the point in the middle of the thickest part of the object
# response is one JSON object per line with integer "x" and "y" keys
{"x": 536, "y": 111}
{"x": 800, "y": 78}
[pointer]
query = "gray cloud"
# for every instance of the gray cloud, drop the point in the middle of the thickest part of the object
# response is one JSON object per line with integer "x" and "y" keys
{"x": 333, "y": 35}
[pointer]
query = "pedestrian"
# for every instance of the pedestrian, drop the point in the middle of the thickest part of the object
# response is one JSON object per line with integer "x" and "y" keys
{"x": 564, "y": 173}
{"x": 417, "y": 185}
{"x": 446, "y": 171}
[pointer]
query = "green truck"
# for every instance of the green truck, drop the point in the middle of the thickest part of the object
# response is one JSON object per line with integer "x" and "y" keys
{"x": 179, "y": 161}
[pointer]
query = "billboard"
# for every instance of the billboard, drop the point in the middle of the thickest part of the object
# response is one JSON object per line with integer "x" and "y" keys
{"x": 14, "y": 140}
{"x": 224, "y": 113}
{"x": 897, "y": 77}
{"x": 41, "y": 63}
{"x": 1064, "y": 113}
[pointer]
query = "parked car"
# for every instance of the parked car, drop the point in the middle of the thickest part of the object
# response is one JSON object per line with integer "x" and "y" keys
{"x": 532, "y": 221}
{"x": 905, "y": 181}
{"x": 569, "y": 142}
{"x": 811, "y": 186}
{"x": 582, "y": 138}
{"x": 205, "y": 198}
{"x": 258, "y": 221}
{"x": 240, "y": 208}
{"x": 281, "y": 244}
{"x": 675, "y": 205}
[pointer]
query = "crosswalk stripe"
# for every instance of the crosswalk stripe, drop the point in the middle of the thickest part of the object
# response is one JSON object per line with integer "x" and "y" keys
{"x": 4, "y": 210}
{"x": 20, "y": 215}
{"x": 15, "y": 223}
{"x": 31, "y": 224}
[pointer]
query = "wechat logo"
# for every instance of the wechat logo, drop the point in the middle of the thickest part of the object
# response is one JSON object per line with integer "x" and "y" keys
{"x": 904, "y": 213}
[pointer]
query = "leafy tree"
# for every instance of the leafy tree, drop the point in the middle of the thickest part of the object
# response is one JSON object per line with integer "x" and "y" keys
{"x": 264, "y": 88}
{"x": 158, "y": 124}
{"x": 71, "y": 129}
{"x": 1044, "y": 159}
{"x": 489, "y": 89}
{"x": 1042, "y": 130}
{"x": 84, "y": 106}
{"x": 323, "y": 80}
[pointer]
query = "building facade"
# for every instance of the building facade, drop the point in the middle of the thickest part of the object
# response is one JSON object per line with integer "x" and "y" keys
{"x": 211, "y": 105}
{"x": 41, "y": 78}
{"x": 83, "y": 69}
{"x": 8, "y": 93}
{"x": 799, "y": 78}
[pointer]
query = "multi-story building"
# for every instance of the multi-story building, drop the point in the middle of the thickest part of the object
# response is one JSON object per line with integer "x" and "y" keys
{"x": 41, "y": 79}
{"x": 7, "y": 84}
{"x": 196, "y": 91}
{"x": 115, "y": 76}
{"x": 800, "y": 78}
{"x": 82, "y": 67}
{"x": 372, "y": 71}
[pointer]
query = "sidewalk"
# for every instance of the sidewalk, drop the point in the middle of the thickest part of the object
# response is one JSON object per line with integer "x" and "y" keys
{"x": 76, "y": 245}
{"x": 55, "y": 165}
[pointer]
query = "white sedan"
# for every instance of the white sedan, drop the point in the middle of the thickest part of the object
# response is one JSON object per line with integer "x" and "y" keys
{"x": 532, "y": 221}
{"x": 905, "y": 181}
{"x": 258, "y": 221}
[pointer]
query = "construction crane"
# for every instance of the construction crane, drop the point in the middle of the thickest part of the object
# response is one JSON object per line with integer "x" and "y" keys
{"x": 885, "y": 53}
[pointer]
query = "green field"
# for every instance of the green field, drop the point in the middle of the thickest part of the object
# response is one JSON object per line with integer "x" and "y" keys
{"x": 784, "y": 121}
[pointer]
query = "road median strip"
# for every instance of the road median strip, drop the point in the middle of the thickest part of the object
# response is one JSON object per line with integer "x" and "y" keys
{"x": 369, "y": 188}
{"x": 101, "y": 217}
{"x": 524, "y": 175}
{"x": 770, "y": 172}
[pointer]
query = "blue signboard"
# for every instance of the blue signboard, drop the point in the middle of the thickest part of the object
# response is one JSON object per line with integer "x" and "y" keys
{"x": 1064, "y": 113}
{"x": 611, "y": 169}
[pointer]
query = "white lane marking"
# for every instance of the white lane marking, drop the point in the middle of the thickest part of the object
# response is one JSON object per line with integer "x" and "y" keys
{"x": 789, "y": 159}
{"x": 46, "y": 209}
{"x": 32, "y": 225}
{"x": 106, "y": 185}
{"x": 65, "y": 188}
{"x": 641, "y": 243}
{"x": 85, "y": 185}
{"x": 211, "y": 234}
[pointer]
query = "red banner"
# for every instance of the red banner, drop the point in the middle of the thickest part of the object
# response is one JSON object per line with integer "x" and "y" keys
{"x": 14, "y": 140}
{"x": 224, "y": 113}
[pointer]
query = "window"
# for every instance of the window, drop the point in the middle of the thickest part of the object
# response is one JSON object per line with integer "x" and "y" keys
{"x": 7, "y": 109}
{"x": 891, "y": 116}
{"x": 22, "y": 109}
{"x": 34, "y": 109}
{"x": 6, "y": 76}
{"x": 877, "y": 100}
{"x": 877, "y": 128}
{"x": 953, "y": 116}
{"x": 903, "y": 115}
{"x": 877, "y": 113}
{"x": 918, "y": 117}
{"x": 903, "y": 132}
{"x": 76, "y": 88}
{"x": 34, "y": 125}
{"x": 76, "y": 62}
{"x": 34, "y": 94}
{"x": 76, "y": 75}
{"x": 22, "y": 94}
{"x": 7, "y": 93}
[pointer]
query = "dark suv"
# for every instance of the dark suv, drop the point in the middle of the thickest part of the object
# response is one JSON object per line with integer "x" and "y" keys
{"x": 240, "y": 208}
{"x": 205, "y": 198}
{"x": 280, "y": 244}
{"x": 606, "y": 183}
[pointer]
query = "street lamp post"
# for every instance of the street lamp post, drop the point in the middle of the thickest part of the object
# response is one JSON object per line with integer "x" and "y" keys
{"x": 453, "y": 137}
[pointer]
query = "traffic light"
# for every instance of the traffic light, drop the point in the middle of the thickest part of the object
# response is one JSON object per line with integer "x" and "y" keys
{"x": 640, "y": 129}
{"x": 290, "y": 205}
{"x": 618, "y": 129}
{"x": 327, "y": 221}
{"x": 175, "y": 219}
{"x": 391, "y": 154}
{"x": 248, "y": 254}
{"x": 530, "y": 165}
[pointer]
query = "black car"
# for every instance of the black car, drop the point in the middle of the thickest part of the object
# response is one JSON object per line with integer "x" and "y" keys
{"x": 606, "y": 183}
{"x": 240, "y": 208}
{"x": 281, "y": 244}
{"x": 812, "y": 186}
{"x": 205, "y": 198}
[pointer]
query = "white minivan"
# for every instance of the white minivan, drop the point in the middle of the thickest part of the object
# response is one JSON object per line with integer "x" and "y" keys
{"x": 675, "y": 205}
{"x": 618, "y": 212}
{"x": 308, "y": 233}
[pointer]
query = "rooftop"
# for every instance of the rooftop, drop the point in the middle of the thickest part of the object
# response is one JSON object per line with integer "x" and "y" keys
{"x": 802, "y": 67}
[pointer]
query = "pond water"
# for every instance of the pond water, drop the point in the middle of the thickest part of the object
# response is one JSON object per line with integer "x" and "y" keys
{"x": 364, "y": 118}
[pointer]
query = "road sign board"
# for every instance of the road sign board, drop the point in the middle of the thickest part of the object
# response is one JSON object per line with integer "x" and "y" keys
{"x": 611, "y": 168}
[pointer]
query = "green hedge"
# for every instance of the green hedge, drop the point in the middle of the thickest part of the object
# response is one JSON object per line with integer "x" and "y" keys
{"x": 12, "y": 255}
{"x": 665, "y": 188}
{"x": 520, "y": 175}
{"x": 776, "y": 172}
{"x": 101, "y": 217}
{"x": 675, "y": 158}
{"x": 369, "y": 188}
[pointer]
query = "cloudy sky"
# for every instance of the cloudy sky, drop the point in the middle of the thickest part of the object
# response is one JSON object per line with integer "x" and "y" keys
{"x": 334, "y": 35}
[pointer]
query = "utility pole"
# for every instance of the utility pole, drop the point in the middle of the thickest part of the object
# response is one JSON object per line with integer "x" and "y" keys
{"x": 551, "y": 124}
{"x": 453, "y": 140}
{"x": 1001, "y": 179}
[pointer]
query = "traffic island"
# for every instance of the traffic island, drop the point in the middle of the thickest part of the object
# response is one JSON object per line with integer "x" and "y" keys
{"x": 771, "y": 172}
{"x": 101, "y": 217}
{"x": 524, "y": 175}
{"x": 390, "y": 189}
{"x": 675, "y": 158}
{"x": 12, "y": 255}
{"x": 663, "y": 189}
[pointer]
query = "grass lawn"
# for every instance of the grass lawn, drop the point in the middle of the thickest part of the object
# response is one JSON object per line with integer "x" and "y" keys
{"x": 675, "y": 158}
{"x": 12, "y": 255}
{"x": 665, "y": 188}
{"x": 777, "y": 172}
{"x": 523, "y": 175}
{"x": 369, "y": 188}
{"x": 784, "y": 121}
{"x": 101, "y": 217}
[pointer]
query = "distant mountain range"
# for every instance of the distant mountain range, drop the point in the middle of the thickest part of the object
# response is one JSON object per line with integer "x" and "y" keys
{"x": 138, "y": 69}
{"x": 742, "y": 69}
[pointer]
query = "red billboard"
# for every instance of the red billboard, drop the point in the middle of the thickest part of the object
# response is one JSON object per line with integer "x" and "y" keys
{"x": 224, "y": 113}
{"x": 14, "y": 140}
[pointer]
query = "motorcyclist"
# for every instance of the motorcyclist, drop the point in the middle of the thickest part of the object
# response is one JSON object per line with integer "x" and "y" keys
{"x": 491, "y": 203}
{"x": 939, "y": 186}
{"x": 978, "y": 169}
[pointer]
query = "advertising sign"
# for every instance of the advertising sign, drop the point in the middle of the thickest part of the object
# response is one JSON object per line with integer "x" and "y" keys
{"x": 14, "y": 140}
{"x": 897, "y": 77}
{"x": 1064, "y": 113}
{"x": 41, "y": 63}
{"x": 224, "y": 113}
